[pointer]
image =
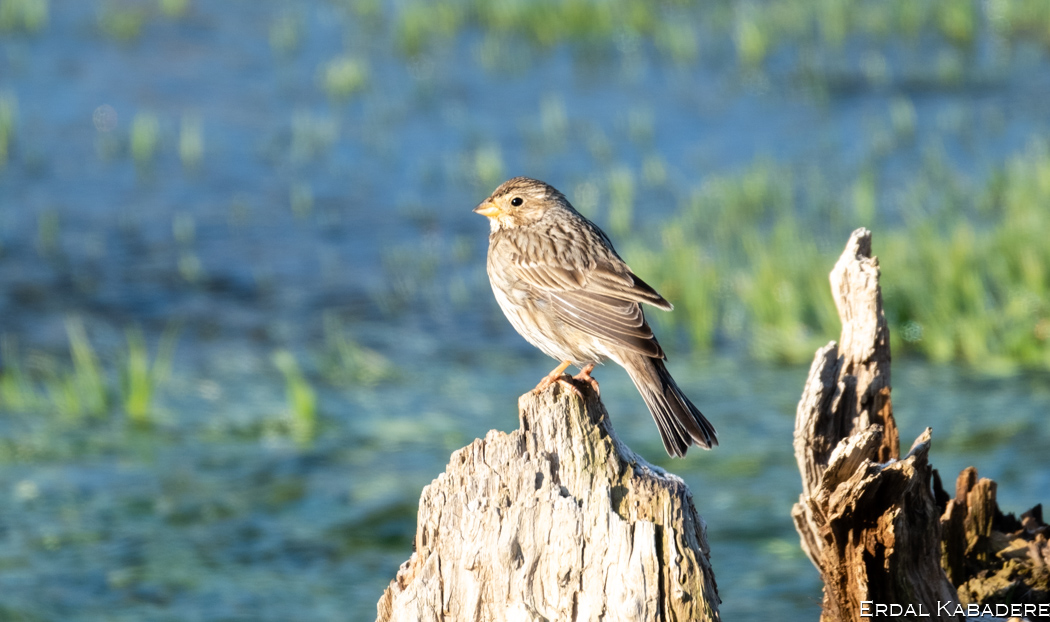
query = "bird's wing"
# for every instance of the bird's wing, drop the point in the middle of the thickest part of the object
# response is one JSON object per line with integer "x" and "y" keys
{"x": 602, "y": 300}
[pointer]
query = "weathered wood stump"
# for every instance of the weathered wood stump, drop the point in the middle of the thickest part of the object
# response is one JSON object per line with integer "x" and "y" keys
{"x": 867, "y": 519}
{"x": 557, "y": 520}
{"x": 870, "y": 521}
{"x": 993, "y": 558}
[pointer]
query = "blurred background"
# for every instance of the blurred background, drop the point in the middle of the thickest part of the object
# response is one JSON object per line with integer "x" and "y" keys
{"x": 243, "y": 305}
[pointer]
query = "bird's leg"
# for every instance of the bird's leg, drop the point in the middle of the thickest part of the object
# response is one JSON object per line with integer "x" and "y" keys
{"x": 557, "y": 375}
{"x": 585, "y": 376}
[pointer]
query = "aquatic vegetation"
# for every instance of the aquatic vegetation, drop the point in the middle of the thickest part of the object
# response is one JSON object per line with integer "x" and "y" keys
{"x": 174, "y": 8}
{"x": 145, "y": 138}
{"x": 120, "y": 21}
{"x": 301, "y": 399}
{"x": 191, "y": 141}
{"x": 975, "y": 286}
{"x": 347, "y": 362}
{"x": 755, "y": 30}
{"x": 621, "y": 200}
{"x": 488, "y": 166}
{"x": 17, "y": 392}
{"x": 965, "y": 279}
{"x": 23, "y": 15}
{"x": 48, "y": 228}
{"x": 8, "y": 121}
{"x": 344, "y": 76}
{"x": 42, "y": 386}
{"x": 286, "y": 32}
{"x": 39, "y": 384}
{"x": 141, "y": 377}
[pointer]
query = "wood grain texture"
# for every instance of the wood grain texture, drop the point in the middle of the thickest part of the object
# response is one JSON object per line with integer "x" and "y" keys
{"x": 992, "y": 557}
{"x": 557, "y": 520}
{"x": 867, "y": 518}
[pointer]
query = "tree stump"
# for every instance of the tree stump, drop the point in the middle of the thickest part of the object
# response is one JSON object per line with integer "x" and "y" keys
{"x": 557, "y": 520}
{"x": 994, "y": 559}
{"x": 867, "y": 520}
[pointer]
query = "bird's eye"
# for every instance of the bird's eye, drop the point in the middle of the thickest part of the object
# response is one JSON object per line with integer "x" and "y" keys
{"x": 516, "y": 201}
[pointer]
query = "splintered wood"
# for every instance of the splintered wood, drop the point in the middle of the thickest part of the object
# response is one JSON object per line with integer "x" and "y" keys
{"x": 557, "y": 520}
{"x": 867, "y": 519}
{"x": 993, "y": 557}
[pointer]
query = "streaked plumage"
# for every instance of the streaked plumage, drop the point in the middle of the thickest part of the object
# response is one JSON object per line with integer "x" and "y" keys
{"x": 561, "y": 284}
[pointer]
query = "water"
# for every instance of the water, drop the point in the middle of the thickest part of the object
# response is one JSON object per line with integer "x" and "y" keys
{"x": 305, "y": 211}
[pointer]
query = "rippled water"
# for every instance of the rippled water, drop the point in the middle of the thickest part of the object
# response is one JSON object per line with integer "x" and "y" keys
{"x": 304, "y": 207}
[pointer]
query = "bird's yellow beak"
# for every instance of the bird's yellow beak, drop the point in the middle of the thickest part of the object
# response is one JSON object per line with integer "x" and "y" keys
{"x": 488, "y": 209}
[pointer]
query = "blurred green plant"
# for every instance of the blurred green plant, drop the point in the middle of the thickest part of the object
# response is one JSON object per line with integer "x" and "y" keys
{"x": 191, "y": 141}
{"x": 346, "y": 362}
{"x": 23, "y": 15}
{"x": 141, "y": 377}
{"x": 756, "y": 29}
{"x": 621, "y": 200}
{"x": 40, "y": 385}
{"x": 174, "y": 8}
{"x": 8, "y": 121}
{"x": 17, "y": 393}
{"x": 145, "y": 138}
{"x": 977, "y": 288}
{"x": 966, "y": 276}
{"x": 301, "y": 398}
{"x": 344, "y": 76}
{"x": 120, "y": 21}
{"x": 286, "y": 32}
{"x": 46, "y": 388}
{"x": 488, "y": 166}
{"x": 48, "y": 230}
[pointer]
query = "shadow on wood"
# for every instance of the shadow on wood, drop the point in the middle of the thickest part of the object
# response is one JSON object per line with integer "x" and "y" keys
{"x": 992, "y": 557}
{"x": 867, "y": 520}
{"x": 870, "y": 521}
{"x": 557, "y": 520}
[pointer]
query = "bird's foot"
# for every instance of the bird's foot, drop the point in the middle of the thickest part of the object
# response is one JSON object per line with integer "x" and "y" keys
{"x": 558, "y": 375}
{"x": 585, "y": 376}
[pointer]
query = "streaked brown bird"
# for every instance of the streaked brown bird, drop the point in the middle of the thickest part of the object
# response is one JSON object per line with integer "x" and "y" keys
{"x": 561, "y": 284}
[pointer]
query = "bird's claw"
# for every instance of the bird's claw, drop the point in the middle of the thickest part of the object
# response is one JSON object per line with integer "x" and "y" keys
{"x": 585, "y": 376}
{"x": 563, "y": 379}
{"x": 557, "y": 376}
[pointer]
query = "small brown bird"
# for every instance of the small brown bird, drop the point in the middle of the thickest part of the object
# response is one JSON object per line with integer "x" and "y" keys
{"x": 561, "y": 284}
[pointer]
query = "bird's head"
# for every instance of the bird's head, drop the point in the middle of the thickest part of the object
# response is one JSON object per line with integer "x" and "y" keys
{"x": 519, "y": 202}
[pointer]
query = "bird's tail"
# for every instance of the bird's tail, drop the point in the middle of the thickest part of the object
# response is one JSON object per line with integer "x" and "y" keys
{"x": 681, "y": 424}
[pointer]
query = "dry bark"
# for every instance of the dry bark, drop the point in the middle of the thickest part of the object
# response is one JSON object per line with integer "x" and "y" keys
{"x": 867, "y": 519}
{"x": 993, "y": 558}
{"x": 557, "y": 520}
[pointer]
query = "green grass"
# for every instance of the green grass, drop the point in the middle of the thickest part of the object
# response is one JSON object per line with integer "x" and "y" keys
{"x": 174, "y": 8}
{"x": 41, "y": 385}
{"x": 301, "y": 397}
{"x": 348, "y": 363}
{"x": 965, "y": 270}
{"x": 83, "y": 387}
{"x": 754, "y": 29}
{"x": 488, "y": 170}
{"x": 120, "y": 22}
{"x": 344, "y": 76}
{"x": 145, "y": 138}
{"x": 141, "y": 377}
{"x": 286, "y": 33}
{"x": 191, "y": 141}
{"x": 23, "y": 15}
{"x": 8, "y": 121}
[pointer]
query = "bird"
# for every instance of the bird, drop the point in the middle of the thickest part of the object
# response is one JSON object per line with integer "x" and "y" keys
{"x": 561, "y": 284}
